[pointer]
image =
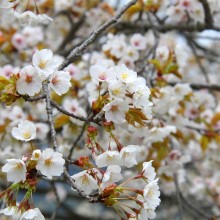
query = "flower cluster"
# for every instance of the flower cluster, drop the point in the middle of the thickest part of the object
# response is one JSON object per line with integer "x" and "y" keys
{"x": 44, "y": 65}
{"x": 136, "y": 203}
{"x": 48, "y": 162}
{"x": 23, "y": 173}
{"x": 107, "y": 112}
{"x": 128, "y": 98}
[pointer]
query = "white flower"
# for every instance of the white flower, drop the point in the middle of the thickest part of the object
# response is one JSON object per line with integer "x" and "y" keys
{"x": 148, "y": 171}
{"x": 51, "y": 163}
{"x": 151, "y": 195}
{"x": 115, "y": 111}
{"x": 73, "y": 106}
{"x": 32, "y": 19}
{"x": 115, "y": 45}
{"x": 74, "y": 71}
{"x": 108, "y": 158}
{"x": 85, "y": 182}
{"x": 36, "y": 154}
{"x": 60, "y": 82}
{"x": 112, "y": 174}
{"x": 131, "y": 53}
{"x": 124, "y": 74}
{"x": 8, "y": 71}
{"x": 15, "y": 170}
{"x": 9, "y": 211}
{"x": 44, "y": 62}
{"x": 44, "y": 19}
{"x": 181, "y": 90}
{"x": 138, "y": 41}
{"x": 62, "y": 5}
{"x": 117, "y": 89}
{"x": 141, "y": 96}
{"x": 102, "y": 74}
{"x": 27, "y": 17}
{"x": 29, "y": 81}
{"x": 18, "y": 41}
{"x": 128, "y": 155}
{"x": 159, "y": 134}
{"x": 146, "y": 214}
{"x": 31, "y": 38}
{"x": 6, "y": 4}
{"x": 25, "y": 131}
{"x": 32, "y": 214}
{"x": 135, "y": 84}
{"x": 162, "y": 53}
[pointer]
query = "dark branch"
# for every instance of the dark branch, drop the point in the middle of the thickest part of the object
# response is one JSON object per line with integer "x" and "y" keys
{"x": 77, "y": 52}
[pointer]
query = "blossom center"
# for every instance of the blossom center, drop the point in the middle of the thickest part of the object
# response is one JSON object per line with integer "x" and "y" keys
{"x": 110, "y": 158}
{"x": 114, "y": 108}
{"x": 150, "y": 193}
{"x": 125, "y": 154}
{"x": 136, "y": 43}
{"x": 37, "y": 155}
{"x": 28, "y": 79}
{"x": 26, "y": 134}
{"x": 102, "y": 76}
{"x": 130, "y": 54}
{"x": 55, "y": 81}
{"x": 42, "y": 64}
{"x": 18, "y": 166}
{"x": 124, "y": 76}
{"x": 85, "y": 180}
{"x": 48, "y": 162}
{"x": 116, "y": 91}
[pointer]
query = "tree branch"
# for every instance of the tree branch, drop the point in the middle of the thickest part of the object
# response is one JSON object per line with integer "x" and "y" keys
{"x": 207, "y": 12}
{"x": 50, "y": 115}
{"x": 77, "y": 52}
{"x": 73, "y": 30}
{"x": 166, "y": 27}
{"x": 198, "y": 86}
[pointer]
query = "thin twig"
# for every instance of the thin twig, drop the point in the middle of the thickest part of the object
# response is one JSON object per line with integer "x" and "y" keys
{"x": 77, "y": 140}
{"x": 77, "y": 52}
{"x": 207, "y": 12}
{"x": 178, "y": 195}
{"x": 34, "y": 99}
{"x": 74, "y": 28}
{"x": 166, "y": 27}
{"x": 61, "y": 109}
{"x": 202, "y": 68}
{"x": 50, "y": 115}
{"x": 58, "y": 201}
{"x": 198, "y": 86}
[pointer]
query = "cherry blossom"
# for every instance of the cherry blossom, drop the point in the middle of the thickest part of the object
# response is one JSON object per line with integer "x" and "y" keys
{"x": 128, "y": 155}
{"x": 32, "y": 214}
{"x": 25, "y": 131}
{"x": 85, "y": 182}
{"x": 15, "y": 170}
{"x": 108, "y": 158}
{"x": 50, "y": 163}
{"x": 124, "y": 74}
{"x": 117, "y": 101}
{"x": 102, "y": 74}
{"x": 138, "y": 41}
{"x": 44, "y": 62}
{"x": 115, "y": 111}
{"x": 60, "y": 82}
{"x": 29, "y": 81}
{"x": 112, "y": 174}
